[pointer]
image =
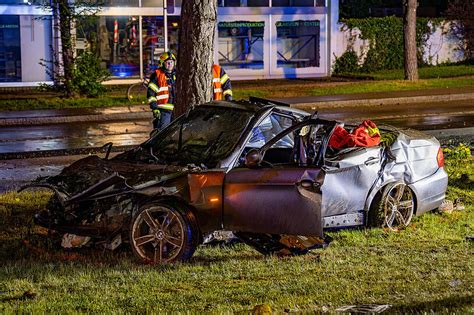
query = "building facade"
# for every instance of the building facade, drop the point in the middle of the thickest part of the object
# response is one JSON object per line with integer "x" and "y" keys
{"x": 255, "y": 39}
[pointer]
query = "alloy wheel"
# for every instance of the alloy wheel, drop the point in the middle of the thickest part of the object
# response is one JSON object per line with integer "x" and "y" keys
{"x": 158, "y": 234}
{"x": 398, "y": 206}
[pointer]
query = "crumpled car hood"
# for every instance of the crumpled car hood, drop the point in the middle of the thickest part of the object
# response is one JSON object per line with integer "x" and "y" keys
{"x": 87, "y": 172}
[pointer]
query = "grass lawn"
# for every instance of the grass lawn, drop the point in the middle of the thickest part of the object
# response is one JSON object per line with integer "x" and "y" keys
{"x": 426, "y": 267}
{"x": 385, "y": 81}
{"x": 303, "y": 88}
{"x": 424, "y": 73}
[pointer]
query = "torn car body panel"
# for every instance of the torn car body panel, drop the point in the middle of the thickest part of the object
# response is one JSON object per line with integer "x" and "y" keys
{"x": 205, "y": 195}
{"x": 349, "y": 178}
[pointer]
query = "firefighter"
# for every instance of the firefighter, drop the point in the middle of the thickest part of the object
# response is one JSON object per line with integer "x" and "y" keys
{"x": 221, "y": 84}
{"x": 161, "y": 91}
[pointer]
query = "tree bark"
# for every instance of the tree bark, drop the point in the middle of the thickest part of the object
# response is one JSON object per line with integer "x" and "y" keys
{"x": 65, "y": 20}
{"x": 409, "y": 36}
{"x": 195, "y": 54}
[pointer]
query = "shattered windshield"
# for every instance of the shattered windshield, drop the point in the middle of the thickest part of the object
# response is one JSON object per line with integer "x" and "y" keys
{"x": 205, "y": 136}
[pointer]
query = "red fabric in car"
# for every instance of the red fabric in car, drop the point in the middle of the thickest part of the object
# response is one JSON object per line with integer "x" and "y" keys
{"x": 365, "y": 135}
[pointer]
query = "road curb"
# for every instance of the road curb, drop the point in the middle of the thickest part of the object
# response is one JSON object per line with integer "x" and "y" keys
{"x": 383, "y": 101}
{"x": 62, "y": 152}
{"x": 30, "y": 121}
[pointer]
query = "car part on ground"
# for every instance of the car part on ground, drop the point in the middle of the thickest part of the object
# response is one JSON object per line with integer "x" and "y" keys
{"x": 283, "y": 245}
{"x": 220, "y": 237}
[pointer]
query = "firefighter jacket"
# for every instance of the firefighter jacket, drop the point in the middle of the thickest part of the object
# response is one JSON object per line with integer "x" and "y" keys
{"x": 161, "y": 90}
{"x": 221, "y": 84}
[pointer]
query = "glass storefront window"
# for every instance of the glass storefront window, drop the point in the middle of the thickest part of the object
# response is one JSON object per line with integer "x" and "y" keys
{"x": 298, "y": 44}
{"x": 159, "y": 3}
{"x": 241, "y": 44}
{"x": 123, "y": 59}
{"x": 243, "y": 3}
{"x": 25, "y": 2}
{"x": 121, "y": 3}
{"x": 10, "y": 48}
{"x": 293, "y": 3}
{"x": 116, "y": 41}
{"x": 154, "y": 41}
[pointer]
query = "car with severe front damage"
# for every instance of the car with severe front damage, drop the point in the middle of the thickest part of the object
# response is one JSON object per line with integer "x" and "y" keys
{"x": 258, "y": 168}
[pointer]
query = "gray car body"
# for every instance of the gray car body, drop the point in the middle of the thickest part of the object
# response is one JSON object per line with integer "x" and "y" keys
{"x": 352, "y": 180}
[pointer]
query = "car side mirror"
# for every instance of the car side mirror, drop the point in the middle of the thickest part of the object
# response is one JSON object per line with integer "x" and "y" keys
{"x": 253, "y": 158}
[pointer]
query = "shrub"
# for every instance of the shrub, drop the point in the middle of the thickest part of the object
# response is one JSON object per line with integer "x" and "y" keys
{"x": 385, "y": 36}
{"x": 347, "y": 63}
{"x": 457, "y": 162}
{"x": 88, "y": 75}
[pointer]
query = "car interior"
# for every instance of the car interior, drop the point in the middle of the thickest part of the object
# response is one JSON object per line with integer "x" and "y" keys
{"x": 302, "y": 147}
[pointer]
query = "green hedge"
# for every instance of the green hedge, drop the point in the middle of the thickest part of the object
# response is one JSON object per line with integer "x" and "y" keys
{"x": 385, "y": 37}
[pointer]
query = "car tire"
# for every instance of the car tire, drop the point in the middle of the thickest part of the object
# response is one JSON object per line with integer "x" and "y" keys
{"x": 161, "y": 233}
{"x": 393, "y": 208}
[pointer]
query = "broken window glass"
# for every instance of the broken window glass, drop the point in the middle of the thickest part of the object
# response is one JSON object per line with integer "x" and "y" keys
{"x": 269, "y": 128}
{"x": 205, "y": 136}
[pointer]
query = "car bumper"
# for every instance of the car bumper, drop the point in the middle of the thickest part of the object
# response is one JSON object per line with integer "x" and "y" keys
{"x": 430, "y": 191}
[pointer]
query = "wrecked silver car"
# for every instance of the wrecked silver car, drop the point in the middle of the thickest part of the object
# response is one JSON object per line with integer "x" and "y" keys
{"x": 260, "y": 169}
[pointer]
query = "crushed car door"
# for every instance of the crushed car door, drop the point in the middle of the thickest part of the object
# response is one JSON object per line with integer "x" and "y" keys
{"x": 350, "y": 176}
{"x": 276, "y": 198}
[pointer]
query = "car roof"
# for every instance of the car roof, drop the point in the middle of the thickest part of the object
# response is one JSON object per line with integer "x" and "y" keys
{"x": 256, "y": 105}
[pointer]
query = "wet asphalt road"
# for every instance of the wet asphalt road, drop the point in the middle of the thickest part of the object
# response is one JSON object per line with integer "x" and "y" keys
{"x": 448, "y": 121}
{"x": 73, "y": 135}
{"x": 422, "y": 116}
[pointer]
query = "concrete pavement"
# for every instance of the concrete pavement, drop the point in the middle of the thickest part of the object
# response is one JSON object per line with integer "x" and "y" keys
{"x": 65, "y": 116}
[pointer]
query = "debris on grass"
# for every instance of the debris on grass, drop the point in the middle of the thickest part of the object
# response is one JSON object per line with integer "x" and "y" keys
{"x": 364, "y": 309}
{"x": 74, "y": 241}
{"x": 220, "y": 238}
{"x": 261, "y": 309}
{"x": 458, "y": 204}
{"x": 448, "y": 206}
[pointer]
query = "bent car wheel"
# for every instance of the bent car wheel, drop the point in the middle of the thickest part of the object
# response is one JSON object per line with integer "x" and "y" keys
{"x": 396, "y": 206}
{"x": 161, "y": 234}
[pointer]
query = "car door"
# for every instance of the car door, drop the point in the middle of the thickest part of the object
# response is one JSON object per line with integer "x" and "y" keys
{"x": 276, "y": 199}
{"x": 349, "y": 178}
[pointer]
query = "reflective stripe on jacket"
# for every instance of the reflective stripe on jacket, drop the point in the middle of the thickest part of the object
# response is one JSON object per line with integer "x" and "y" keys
{"x": 220, "y": 83}
{"x": 159, "y": 91}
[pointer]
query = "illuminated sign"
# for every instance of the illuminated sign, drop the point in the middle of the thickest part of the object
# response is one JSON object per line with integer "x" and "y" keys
{"x": 241, "y": 24}
{"x": 296, "y": 23}
{"x": 9, "y": 26}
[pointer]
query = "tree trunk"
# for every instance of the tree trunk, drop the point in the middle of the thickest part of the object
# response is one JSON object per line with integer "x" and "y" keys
{"x": 409, "y": 36}
{"x": 195, "y": 55}
{"x": 65, "y": 19}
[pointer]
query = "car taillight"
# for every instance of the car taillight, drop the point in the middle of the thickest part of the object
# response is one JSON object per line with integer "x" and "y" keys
{"x": 440, "y": 158}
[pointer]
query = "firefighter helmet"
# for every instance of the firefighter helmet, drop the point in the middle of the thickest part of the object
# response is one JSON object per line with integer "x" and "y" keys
{"x": 167, "y": 56}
